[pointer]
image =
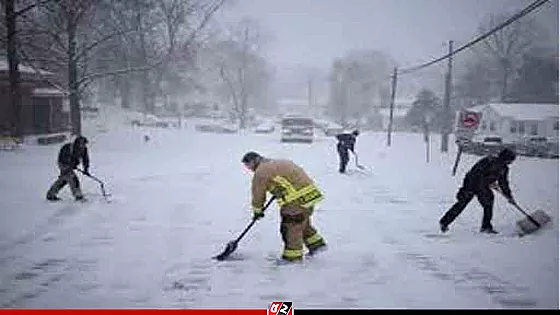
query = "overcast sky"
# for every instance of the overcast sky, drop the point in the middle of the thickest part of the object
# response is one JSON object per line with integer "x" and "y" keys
{"x": 314, "y": 32}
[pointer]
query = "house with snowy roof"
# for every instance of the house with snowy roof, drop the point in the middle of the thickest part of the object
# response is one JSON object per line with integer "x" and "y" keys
{"x": 514, "y": 122}
{"x": 45, "y": 109}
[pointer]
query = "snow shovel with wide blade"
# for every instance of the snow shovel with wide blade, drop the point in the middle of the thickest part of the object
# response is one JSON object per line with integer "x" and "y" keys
{"x": 232, "y": 245}
{"x": 532, "y": 222}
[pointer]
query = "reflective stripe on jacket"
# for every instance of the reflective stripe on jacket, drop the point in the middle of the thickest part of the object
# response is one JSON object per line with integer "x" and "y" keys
{"x": 285, "y": 180}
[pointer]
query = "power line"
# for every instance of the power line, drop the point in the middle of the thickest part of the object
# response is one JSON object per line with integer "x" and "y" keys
{"x": 515, "y": 17}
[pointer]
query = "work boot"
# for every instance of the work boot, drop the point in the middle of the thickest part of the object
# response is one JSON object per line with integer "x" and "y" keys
{"x": 317, "y": 249}
{"x": 288, "y": 261}
{"x": 488, "y": 230}
{"x": 284, "y": 261}
{"x": 81, "y": 198}
{"x": 292, "y": 255}
{"x": 315, "y": 244}
{"x": 53, "y": 198}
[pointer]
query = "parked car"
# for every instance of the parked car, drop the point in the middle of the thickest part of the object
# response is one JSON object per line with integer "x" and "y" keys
{"x": 320, "y": 123}
{"x": 153, "y": 121}
{"x": 265, "y": 127}
{"x": 485, "y": 144}
{"x": 332, "y": 129}
{"x": 553, "y": 152}
{"x": 299, "y": 129}
{"x": 538, "y": 146}
{"x": 216, "y": 127}
{"x": 173, "y": 120}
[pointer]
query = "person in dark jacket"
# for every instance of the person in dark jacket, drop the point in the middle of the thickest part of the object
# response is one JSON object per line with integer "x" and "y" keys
{"x": 69, "y": 157}
{"x": 346, "y": 142}
{"x": 478, "y": 182}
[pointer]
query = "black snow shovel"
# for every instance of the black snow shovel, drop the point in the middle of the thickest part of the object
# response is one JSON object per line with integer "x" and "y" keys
{"x": 532, "y": 222}
{"x": 358, "y": 165}
{"x": 232, "y": 245}
{"x": 101, "y": 185}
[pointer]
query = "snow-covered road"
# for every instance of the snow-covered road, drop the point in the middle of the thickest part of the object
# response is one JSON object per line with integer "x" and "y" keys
{"x": 178, "y": 199}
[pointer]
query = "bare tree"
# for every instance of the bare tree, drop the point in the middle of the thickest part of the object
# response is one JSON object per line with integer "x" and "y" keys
{"x": 11, "y": 15}
{"x": 66, "y": 38}
{"x": 359, "y": 83}
{"x": 243, "y": 71}
{"x": 163, "y": 40}
{"x": 425, "y": 110}
{"x": 76, "y": 38}
{"x": 537, "y": 79}
{"x": 338, "y": 101}
{"x": 13, "y": 64}
{"x": 505, "y": 48}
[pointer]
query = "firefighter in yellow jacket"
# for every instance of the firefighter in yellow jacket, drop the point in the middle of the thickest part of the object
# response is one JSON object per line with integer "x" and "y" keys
{"x": 296, "y": 195}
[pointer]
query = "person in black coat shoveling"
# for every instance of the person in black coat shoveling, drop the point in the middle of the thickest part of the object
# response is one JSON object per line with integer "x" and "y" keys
{"x": 69, "y": 157}
{"x": 346, "y": 142}
{"x": 478, "y": 182}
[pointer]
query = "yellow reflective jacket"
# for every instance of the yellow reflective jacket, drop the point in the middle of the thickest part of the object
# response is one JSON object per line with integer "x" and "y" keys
{"x": 285, "y": 180}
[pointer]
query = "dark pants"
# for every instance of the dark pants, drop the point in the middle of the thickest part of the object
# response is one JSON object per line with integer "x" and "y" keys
{"x": 343, "y": 158}
{"x": 464, "y": 196}
{"x": 67, "y": 176}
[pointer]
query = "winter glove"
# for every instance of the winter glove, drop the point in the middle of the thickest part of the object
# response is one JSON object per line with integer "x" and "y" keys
{"x": 511, "y": 200}
{"x": 258, "y": 214}
{"x": 86, "y": 172}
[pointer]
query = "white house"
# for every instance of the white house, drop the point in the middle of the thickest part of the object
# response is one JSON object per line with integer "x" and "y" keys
{"x": 513, "y": 122}
{"x": 399, "y": 114}
{"x": 400, "y": 109}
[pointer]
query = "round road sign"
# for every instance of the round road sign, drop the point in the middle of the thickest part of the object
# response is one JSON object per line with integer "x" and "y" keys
{"x": 470, "y": 120}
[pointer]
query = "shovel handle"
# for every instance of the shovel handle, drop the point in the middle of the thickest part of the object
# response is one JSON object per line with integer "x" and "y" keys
{"x": 527, "y": 215}
{"x": 358, "y": 165}
{"x": 103, "y": 192}
{"x": 535, "y": 222}
{"x": 253, "y": 221}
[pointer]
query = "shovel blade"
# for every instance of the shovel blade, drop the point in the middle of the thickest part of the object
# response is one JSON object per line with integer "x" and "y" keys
{"x": 527, "y": 226}
{"x": 230, "y": 248}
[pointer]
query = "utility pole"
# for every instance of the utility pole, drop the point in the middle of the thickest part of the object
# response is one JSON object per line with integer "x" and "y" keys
{"x": 310, "y": 95}
{"x": 393, "y": 92}
{"x": 243, "y": 79}
{"x": 446, "y": 103}
{"x": 343, "y": 99}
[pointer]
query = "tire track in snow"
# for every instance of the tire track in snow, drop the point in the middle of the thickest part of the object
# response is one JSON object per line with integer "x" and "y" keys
{"x": 40, "y": 230}
{"x": 43, "y": 231}
{"x": 186, "y": 290}
{"x": 34, "y": 279}
{"x": 462, "y": 275}
{"x": 27, "y": 273}
{"x": 505, "y": 293}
